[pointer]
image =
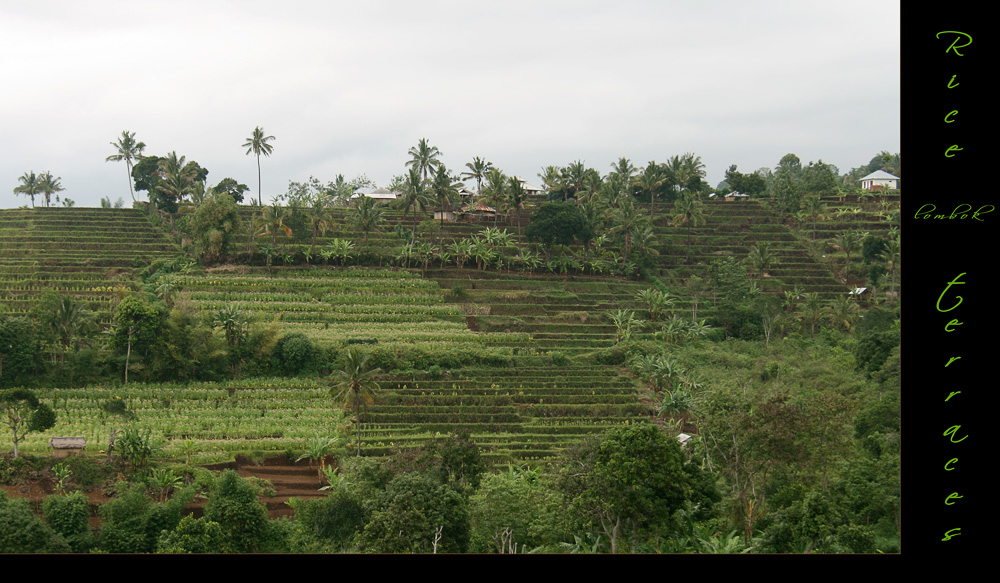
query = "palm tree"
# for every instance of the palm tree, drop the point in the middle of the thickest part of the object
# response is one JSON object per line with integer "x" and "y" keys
{"x": 843, "y": 312}
{"x": 552, "y": 180}
{"x": 688, "y": 209}
{"x": 850, "y": 242}
{"x": 650, "y": 180}
{"x": 49, "y": 186}
{"x": 813, "y": 307}
{"x": 367, "y": 215}
{"x": 415, "y": 193}
{"x": 257, "y": 144}
{"x": 760, "y": 258}
{"x": 627, "y": 220}
{"x": 814, "y": 209}
{"x": 424, "y": 157}
{"x": 273, "y": 219}
{"x": 477, "y": 171}
{"x": 356, "y": 386}
{"x": 29, "y": 186}
{"x": 178, "y": 176}
{"x": 445, "y": 188}
{"x": 496, "y": 188}
{"x": 515, "y": 199}
{"x": 318, "y": 217}
{"x": 70, "y": 320}
{"x": 127, "y": 149}
{"x": 625, "y": 170}
{"x": 685, "y": 168}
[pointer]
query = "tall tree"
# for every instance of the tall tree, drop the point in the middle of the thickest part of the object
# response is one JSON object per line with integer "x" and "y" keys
{"x": 760, "y": 259}
{"x": 127, "y": 150}
{"x": 356, "y": 386}
{"x": 415, "y": 193}
{"x": 424, "y": 158}
{"x": 319, "y": 218}
{"x": 29, "y": 186}
{"x": 135, "y": 322}
{"x": 629, "y": 482}
{"x": 367, "y": 215}
{"x": 445, "y": 188}
{"x": 477, "y": 171}
{"x": 687, "y": 169}
{"x": 850, "y": 242}
{"x": 176, "y": 180}
{"x": 515, "y": 199}
{"x": 257, "y": 144}
{"x": 49, "y": 185}
{"x": 650, "y": 181}
{"x": 814, "y": 209}
{"x": 691, "y": 211}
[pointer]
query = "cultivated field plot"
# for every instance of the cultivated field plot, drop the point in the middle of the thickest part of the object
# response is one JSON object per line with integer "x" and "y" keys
{"x": 731, "y": 229}
{"x": 81, "y": 252}
{"x": 526, "y": 414}
{"x": 340, "y": 306}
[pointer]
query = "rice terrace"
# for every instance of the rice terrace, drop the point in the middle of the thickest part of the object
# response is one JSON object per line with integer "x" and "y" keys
{"x": 617, "y": 360}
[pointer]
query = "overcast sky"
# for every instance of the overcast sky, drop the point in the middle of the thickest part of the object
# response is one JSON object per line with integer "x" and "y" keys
{"x": 348, "y": 87}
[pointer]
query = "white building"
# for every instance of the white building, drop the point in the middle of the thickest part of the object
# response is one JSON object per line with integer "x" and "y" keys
{"x": 880, "y": 178}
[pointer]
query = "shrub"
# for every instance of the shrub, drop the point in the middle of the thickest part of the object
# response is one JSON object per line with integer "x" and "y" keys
{"x": 191, "y": 536}
{"x": 233, "y": 504}
{"x": 294, "y": 353}
{"x": 23, "y": 532}
{"x": 67, "y": 515}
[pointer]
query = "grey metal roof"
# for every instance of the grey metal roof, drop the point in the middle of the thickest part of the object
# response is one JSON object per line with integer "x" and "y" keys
{"x": 880, "y": 175}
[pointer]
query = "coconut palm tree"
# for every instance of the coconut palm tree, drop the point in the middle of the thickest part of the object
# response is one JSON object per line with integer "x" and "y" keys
{"x": 688, "y": 209}
{"x": 515, "y": 199}
{"x": 650, "y": 180}
{"x": 445, "y": 188}
{"x": 850, "y": 242}
{"x": 424, "y": 157}
{"x": 257, "y": 144}
{"x": 686, "y": 168}
{"x": 415, "y": 193}
{"x": 628, "y": 221}
{"x": 356, "y": 386}
{"x": 552, "y": 180}
{"x": 29, "y": 186}
{"x": 813, "y": 306}
{"x": 477, "y": 171}
{"x": 625, "y": 170}
{"x": 367, "y": 215}
{"x": 127, "y": 150}
{"x": 319, "y": 218}
{"x": 273, "y": 219}
{"x": 814, "y": 209}
{"x": 49, "y": 186}
{"x": 760, "y": 259}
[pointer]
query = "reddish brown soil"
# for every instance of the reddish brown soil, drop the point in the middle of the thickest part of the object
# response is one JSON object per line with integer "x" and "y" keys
{"x": 290, "y": 479}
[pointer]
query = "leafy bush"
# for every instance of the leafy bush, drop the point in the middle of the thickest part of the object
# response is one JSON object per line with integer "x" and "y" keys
{"x": 294, "y": 353}
{"x": 23, "y": 532}
{"x": 68, "y": 516}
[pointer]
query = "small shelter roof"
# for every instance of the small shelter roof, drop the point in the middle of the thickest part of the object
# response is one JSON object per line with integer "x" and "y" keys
{"x": 68, "y": 442}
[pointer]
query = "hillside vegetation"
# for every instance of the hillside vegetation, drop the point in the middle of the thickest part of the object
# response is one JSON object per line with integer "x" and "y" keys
{"x": 735, "y": 335}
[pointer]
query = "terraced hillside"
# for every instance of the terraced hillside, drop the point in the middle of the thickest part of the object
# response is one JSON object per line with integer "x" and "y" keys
{"x": 81, "y": 252}
{"x": 514, "y": 390}
{"x": 731, "y": 229}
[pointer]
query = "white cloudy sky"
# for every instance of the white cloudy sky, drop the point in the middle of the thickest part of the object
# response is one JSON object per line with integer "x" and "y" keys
{"x": 348, "y": 87}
